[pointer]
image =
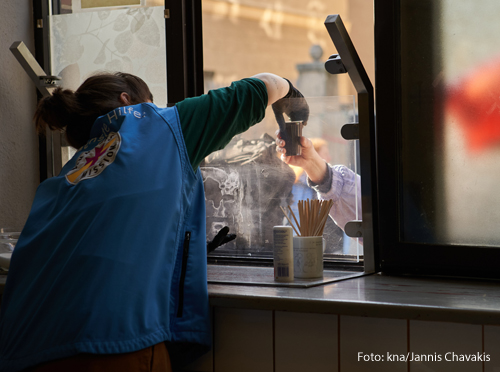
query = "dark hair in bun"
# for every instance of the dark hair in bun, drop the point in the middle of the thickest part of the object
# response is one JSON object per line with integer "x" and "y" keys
{"x": 75, "y": 112}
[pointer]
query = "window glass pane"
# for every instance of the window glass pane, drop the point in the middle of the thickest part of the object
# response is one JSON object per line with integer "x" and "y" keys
{"x": 245, "y": 37}
{"x": 90, "y": 36}
{"x": 247, "y": 183}
{"x": 451, "y": 115}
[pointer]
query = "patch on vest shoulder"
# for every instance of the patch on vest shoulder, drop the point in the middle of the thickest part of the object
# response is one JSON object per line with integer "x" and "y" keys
{"x": 91, "y": 163}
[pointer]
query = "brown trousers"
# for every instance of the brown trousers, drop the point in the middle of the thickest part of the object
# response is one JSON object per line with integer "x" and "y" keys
{"x": 152, "y": 359}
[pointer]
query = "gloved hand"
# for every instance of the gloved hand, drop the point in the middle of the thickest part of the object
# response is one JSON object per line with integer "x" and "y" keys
{"x": 294, "y": 105}
{"x": 221, "y": 238}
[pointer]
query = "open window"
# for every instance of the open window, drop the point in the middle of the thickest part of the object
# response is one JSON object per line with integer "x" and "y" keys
{"x": 246, "y": 183}
{"x": 184, "y": 48}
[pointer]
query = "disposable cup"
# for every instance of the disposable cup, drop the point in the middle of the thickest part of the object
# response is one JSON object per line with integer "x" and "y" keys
{"x": 291, "y": 136}
{"x": 308, "y": 256}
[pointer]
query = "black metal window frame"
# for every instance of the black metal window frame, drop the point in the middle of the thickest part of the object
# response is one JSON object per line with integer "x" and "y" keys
{"x": 184, "y": 39}
{"x": 47, "y": 144}
{"x": 396, "y": 255}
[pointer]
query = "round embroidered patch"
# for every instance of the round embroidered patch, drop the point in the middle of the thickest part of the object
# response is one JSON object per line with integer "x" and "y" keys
{"x": 91, "y": 163}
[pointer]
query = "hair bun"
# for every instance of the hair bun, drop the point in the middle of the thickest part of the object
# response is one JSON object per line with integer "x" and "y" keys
{"x": 78, "y": 110}
{"x": 57, "y": 110}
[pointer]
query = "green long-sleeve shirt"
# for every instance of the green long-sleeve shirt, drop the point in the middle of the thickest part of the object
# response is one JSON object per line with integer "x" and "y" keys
{"x": 210, "y": 121}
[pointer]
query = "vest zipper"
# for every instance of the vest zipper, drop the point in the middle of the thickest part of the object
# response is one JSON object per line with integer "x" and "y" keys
{"x": 185, "y": 252}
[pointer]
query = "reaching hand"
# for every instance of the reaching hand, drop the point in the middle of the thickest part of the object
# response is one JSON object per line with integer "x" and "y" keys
{"x": 294, "y": 105}
{"x": 309, "y": 160}
{"x": 308, "y": 151}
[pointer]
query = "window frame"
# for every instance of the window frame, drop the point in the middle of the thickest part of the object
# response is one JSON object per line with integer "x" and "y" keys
{"x": 49, "y": 146}
{"x": 184, "y": 46}
{"x": 398, "y": 257}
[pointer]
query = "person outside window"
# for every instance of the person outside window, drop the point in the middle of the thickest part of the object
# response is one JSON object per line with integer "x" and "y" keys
{"x": 336, "y": 182}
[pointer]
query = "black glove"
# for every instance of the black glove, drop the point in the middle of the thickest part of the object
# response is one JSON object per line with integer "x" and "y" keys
{"x": 294, "y": 105}
{"x": 221, "y": 238}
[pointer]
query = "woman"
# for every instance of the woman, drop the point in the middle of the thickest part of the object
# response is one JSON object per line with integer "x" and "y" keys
{"x": 109, "y": 272}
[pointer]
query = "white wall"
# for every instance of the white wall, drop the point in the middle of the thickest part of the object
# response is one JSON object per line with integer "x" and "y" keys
{"x": 19, "y": 173}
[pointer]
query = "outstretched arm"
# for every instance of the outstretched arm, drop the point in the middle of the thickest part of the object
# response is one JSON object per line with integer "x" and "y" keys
{"x": 309, "y": 160}
{"x": 277, "y": 87}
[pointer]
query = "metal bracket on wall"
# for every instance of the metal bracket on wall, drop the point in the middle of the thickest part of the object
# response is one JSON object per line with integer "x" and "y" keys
{"x": 50, "y": 153}
{"x": 44, "y": 83}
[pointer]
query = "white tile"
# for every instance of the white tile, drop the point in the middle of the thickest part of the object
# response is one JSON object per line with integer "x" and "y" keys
{"x": 366, "y": 344}
{"x": 491, "y": 348}
{"x": 243, "y": 340}
{"x": 305, "y": 342}
{"x": 435, "y": 345}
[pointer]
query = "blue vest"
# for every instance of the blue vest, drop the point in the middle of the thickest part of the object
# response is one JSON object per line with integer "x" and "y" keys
{"x": 112, "y": 258}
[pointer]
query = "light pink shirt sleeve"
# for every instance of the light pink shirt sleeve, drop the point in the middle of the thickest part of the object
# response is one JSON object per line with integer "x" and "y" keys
{"x": 345, "y": 191}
